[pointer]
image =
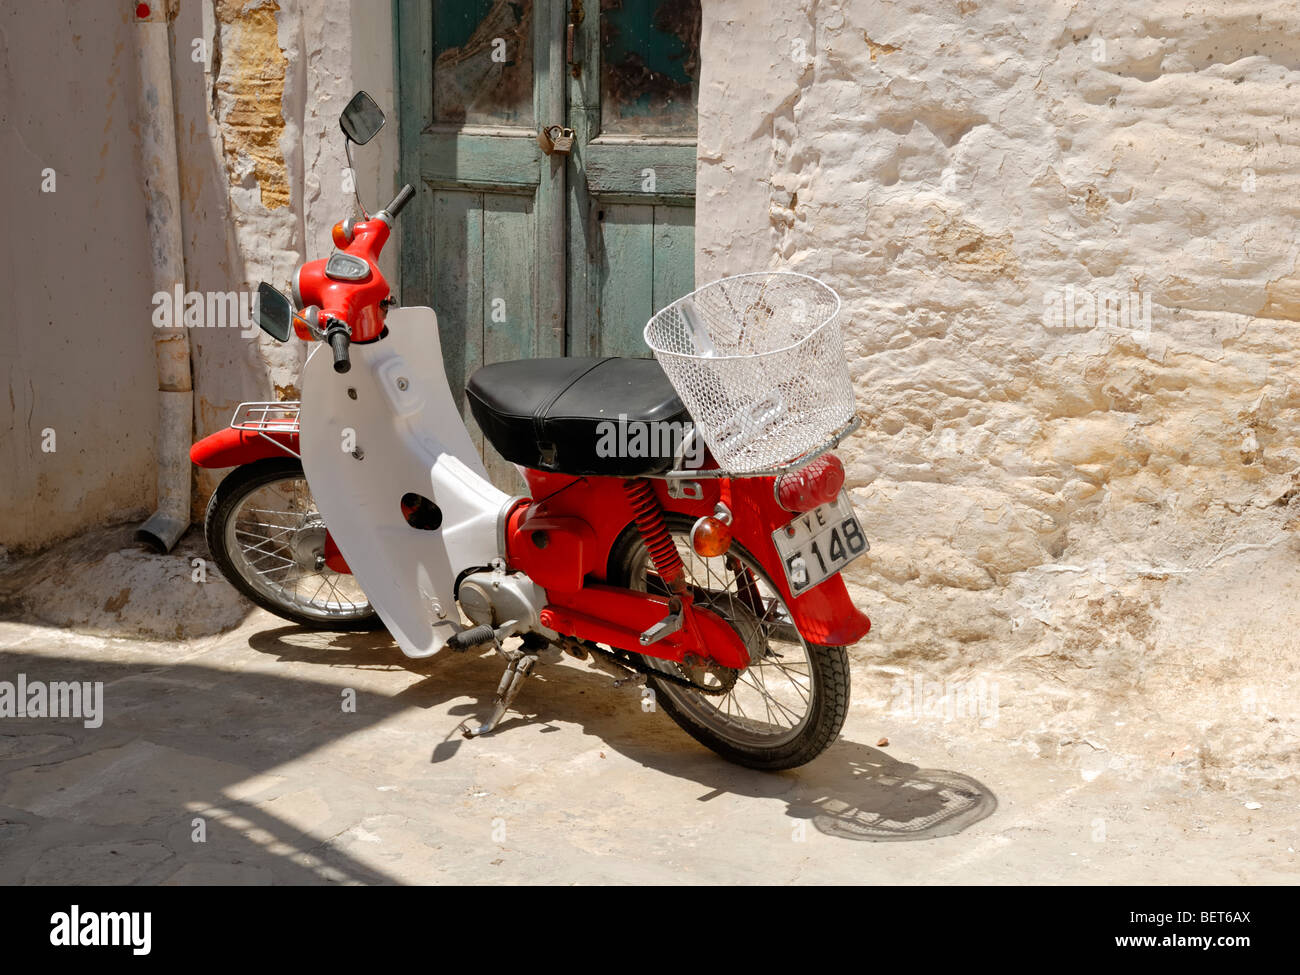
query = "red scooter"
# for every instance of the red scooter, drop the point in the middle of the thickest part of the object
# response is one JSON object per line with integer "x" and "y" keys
{"x": 367, "y": 504}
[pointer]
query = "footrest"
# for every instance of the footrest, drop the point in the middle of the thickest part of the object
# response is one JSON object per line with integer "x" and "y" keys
{"x": 475, "y": 636}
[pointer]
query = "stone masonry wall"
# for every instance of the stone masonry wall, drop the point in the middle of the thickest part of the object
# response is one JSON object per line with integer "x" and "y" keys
{"x": 1092, "y": 508}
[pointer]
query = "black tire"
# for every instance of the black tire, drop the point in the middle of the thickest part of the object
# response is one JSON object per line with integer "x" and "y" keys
{"x": 828, "y": 667}
{"x": 228, "y": 501}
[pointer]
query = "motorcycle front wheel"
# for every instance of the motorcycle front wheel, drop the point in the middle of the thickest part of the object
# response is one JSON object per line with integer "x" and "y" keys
{"x": 268, "y": 539}
{"x": 783, "y": 710}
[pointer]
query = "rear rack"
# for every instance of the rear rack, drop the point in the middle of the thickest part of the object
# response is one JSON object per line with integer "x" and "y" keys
{"x": 830, "y": 444}
{"x": 264, "y": 418}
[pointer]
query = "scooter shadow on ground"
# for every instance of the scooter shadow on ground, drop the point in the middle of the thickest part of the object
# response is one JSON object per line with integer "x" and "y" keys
{"x": 852, "y": 791}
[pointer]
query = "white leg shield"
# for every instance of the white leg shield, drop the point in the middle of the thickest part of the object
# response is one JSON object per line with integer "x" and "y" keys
{"x": 386, "y": 428}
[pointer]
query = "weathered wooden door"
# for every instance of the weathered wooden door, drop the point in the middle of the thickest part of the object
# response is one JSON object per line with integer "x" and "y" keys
{"x": 524, "y": 254}
{"x": 632, "y": 95}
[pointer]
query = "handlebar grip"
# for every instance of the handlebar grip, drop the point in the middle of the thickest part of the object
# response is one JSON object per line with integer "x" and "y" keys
{"x": 337, "y": 336}
{"x": 403, "y": 197}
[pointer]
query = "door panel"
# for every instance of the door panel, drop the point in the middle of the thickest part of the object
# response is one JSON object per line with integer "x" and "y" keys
{"x": 649, "y": 67}
{"x": 458, "y": 271}
{"x": 674, "y": 254}
{"x": 484, "y": 266}
{"x": 483, "y": 62}
{"x": 625, "y": 240}
{"x": 509, "y": 272}
{"x": 637, "y": 235}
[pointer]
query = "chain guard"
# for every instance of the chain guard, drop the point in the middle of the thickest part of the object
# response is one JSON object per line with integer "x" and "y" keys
{"x": 637, "y": 662}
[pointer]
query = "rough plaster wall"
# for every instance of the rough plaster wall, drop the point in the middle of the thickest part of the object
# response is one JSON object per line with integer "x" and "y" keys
{"x": 262, "y": 167}
{"x": 1099, "y": 518}
{"x": 77, "y": 349}
{"x": 261, "y": 184}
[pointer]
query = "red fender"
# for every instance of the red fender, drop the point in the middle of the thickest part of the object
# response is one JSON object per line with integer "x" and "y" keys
{"x": 333, "y": 557}
{"x": 234, "y": 448}
{"x": 824, "y": 614}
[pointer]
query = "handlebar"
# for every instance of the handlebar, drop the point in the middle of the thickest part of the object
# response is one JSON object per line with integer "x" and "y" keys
{"x": 339, "y": 339}
{"x": 337, "y": 333}
{"x": 403, "y": 197}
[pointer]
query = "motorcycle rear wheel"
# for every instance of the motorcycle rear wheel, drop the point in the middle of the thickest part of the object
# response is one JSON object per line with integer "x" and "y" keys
{"x": 267, "y": 538}
{"x": 788, "y": 706}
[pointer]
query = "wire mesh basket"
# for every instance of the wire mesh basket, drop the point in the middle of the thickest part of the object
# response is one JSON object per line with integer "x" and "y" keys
{"x": 758, "y": 361}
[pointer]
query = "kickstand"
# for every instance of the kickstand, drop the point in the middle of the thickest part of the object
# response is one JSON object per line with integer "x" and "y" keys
{"x": 518, "y": 667}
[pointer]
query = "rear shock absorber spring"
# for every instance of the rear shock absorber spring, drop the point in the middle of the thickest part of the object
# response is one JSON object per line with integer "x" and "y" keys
{"x": 650, "y": 522}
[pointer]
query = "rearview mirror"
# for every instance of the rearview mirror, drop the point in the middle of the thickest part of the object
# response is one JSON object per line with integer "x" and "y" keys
{"x": 274, "y": 312}
{"x": 361, "y": 119}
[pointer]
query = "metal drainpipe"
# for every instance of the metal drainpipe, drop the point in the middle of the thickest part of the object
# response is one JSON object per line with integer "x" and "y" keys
{"x": 159, "y": 166}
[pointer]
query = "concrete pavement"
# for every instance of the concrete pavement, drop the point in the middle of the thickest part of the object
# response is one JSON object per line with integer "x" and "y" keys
{"x": 232, "y": 759}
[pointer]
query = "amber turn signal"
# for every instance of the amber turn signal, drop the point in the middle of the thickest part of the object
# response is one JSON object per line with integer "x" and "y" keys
{"x": 342, "y": 233}
{"x": 710, "y": 537}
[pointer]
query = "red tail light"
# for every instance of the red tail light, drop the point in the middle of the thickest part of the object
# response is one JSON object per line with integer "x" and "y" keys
{"x": 813, "y": 484}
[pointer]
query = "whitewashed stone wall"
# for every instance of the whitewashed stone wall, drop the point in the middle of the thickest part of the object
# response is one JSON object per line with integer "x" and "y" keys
{"x": 1096, "y": 513}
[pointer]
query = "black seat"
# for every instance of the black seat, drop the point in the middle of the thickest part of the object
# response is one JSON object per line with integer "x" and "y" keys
{"x": 610, "y": 417}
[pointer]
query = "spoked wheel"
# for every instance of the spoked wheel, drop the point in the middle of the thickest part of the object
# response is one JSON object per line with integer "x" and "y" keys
{"x": 788, "y": 705}
{"x": 268, "y": 539}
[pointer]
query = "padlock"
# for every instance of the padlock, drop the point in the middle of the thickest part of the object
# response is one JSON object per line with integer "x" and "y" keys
{"x": 564, "y": 141}
{"x": 556, "y": 138}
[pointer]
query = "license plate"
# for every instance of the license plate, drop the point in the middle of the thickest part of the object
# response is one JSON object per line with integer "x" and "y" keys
{"x": 819, "y": 543}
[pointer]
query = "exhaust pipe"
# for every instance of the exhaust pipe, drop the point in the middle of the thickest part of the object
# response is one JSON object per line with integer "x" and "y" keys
{"x": 157, "y": 120}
